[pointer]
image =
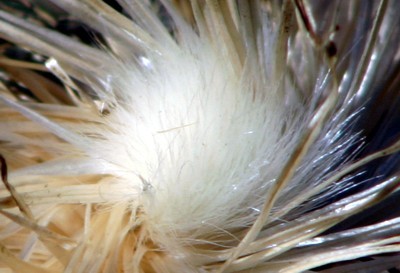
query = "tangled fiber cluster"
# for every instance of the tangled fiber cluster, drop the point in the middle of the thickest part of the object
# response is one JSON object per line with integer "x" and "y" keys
{"x": 199, "y": 136}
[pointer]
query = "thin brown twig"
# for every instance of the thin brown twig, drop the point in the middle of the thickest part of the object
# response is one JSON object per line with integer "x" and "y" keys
{"x": 14, "y": 194}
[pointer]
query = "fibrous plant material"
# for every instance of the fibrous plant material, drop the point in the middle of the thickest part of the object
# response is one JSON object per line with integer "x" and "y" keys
{"x": 199, "y": 136}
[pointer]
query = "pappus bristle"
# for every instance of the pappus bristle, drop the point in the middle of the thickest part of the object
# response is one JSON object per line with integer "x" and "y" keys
{"x": 198, "y": 136}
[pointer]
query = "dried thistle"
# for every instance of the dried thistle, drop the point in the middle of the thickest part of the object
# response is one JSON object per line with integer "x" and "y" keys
{"x": 198, "y": 136}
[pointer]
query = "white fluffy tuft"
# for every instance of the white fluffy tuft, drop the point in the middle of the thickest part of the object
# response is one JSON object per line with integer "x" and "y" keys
{"x": 213, "y": 141}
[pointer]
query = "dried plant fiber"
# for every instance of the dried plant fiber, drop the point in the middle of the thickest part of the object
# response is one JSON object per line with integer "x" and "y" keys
{"x": 142, "y": 136}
